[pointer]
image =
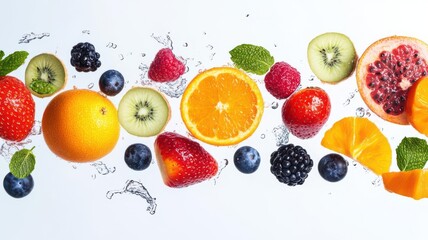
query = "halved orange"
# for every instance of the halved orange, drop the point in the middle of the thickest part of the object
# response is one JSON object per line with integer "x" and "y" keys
{"x": 361, "y": 140}
{"x": 417, "y": 105}
{"x": 413, "y": 183}
{"x": 222, "y": 106}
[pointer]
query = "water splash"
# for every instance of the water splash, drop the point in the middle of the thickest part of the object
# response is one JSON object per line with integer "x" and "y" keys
{"x": 223, "y": 164}
{"x": 166, "y": 41}
{"x": 102, "y": 168}
{"x": 111, "y": 45}
{"x": 281, "y": 134}
{"x": 136, "y": 188}
{"x": 172, "y": 89}
{"x": 26, "y": 38}
{"x": 37, "y": 128}
{"x": 8, "y": 148}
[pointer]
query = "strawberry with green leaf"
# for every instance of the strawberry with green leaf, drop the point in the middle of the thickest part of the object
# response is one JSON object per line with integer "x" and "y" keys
{"x": 17, "y": 107}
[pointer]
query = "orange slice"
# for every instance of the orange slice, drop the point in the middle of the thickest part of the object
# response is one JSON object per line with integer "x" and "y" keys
{"x": 222, "y": 106}
{"x": 361, "y": 140}
{"x": 412, "y": 183}
{"x": 417, "y": 105}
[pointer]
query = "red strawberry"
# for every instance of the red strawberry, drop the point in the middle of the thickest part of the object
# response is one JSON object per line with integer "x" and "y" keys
{"x": 17, "y": 109}
{"x": 166, "y": 67}
{"x": 282, "y": 80}
{"x": 183, "y": 162}
{"x": 306, "y": 111}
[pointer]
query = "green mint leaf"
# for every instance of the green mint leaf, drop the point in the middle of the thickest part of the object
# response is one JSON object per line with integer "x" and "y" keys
{"x": 251, "y": 58}
{"x": 41, "y": 87}
{"x": 12, "y": 62}
{"x": 22, "y": 163}
{"x": 1, "y": 55}
{"x": 412, "y": 153}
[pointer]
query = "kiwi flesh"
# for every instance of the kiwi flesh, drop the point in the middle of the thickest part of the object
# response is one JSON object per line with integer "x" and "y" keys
{"x": 332, "y": 57}
{"x": 45, "y": 75}
{"x": 143, "y": 112}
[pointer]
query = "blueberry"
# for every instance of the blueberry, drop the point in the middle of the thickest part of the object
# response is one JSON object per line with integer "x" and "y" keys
{"x": 333, "y": 167}
{"x": 138, "y": 156}
{"x": 18, "y": 187}
{"x": 111, "y": 82}
{"x": 246, "y": 159}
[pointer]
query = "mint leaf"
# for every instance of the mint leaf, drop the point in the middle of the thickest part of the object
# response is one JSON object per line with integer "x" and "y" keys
{"x": 12, "y": 62}
{"x": 1, "y": 55}
{"x": 412, "y": 153}
{"x": 251, "y": 58}
{"x": 22, "y": 163}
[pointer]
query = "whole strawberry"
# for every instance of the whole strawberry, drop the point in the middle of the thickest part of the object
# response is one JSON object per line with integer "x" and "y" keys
{"x": 183, "y": 162}
{"x": 17, "y": 109}
{"x": 165, "y": 67}
{"x": 306, "y": 112}
{"x": 282, "y": 80}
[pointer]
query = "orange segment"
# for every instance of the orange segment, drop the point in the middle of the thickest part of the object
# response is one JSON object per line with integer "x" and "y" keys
{"x": 360, "y": 139}
{"x": 412, "y": 183}
{"x": 222, "y": 106}
{"x": 417, "y": 105}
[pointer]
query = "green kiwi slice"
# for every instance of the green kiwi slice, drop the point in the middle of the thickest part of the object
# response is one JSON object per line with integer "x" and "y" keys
{"x": 332, "y": 57}
{"x": 143, "y": 112}
{"x": 45, "y": 75}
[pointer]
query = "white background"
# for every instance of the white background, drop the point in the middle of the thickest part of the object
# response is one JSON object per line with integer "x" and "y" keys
{"x": 69, "y": 200}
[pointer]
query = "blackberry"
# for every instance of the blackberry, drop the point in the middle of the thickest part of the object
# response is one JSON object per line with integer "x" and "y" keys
{"x": 84, "y": 57}
{"x": 291, "y": 164}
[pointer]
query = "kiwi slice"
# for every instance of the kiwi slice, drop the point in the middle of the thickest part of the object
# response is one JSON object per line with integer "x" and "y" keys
{"x": 332, "y": 57}
{"x": 45, "y": 75}
{"x": 143, "y": 112}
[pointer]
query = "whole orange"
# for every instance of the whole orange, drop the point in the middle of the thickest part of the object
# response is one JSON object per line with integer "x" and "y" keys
{"x": 80, "y": 125}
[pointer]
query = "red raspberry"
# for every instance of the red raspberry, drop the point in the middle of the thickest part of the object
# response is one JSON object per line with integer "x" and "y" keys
{"x": 166, "y": 67}
{"x": 282, "y": 80}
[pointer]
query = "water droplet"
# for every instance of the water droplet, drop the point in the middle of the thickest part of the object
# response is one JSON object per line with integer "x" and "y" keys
{"x": 26, "y": 38}
{"x": 121, "y": 57}
{"x": 347, "y": 102}
{"x": 281, "y": 134}
{"x": 368, "y": 114}
{"x": 354, "y": 163}
{"x": 210, "y": 47}
{"x": 274, "y": 105}
{"x": 223, "y": 164}
{"x": 263, "y": 136}
{"x": 86, "y": 32}
{"x": 37, "y": 128}
{"x": 74, "y": 76}
{"x": 377, "y": 182}
{"x": 94, "y": 176}
{"x": 247, "y": 15}
{"x": 74, "y": 166}
{"x": 212, "y": 56}
{"x": 91, "y": 85}
{"x": 143, "y": 54}
{"x": 185, "y": 44}
{"x": 360, "y": 112}
{"x": 198, "y": 63}
{"x": 111, "y": 45}
{"x": 311, "y": 78}
{"x": 138, "y": 189}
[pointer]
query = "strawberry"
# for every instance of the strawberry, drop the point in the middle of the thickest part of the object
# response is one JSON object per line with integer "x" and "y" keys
{"x": 17, "y": 109}
{"x": 166, "y": 67}
{"x": 306, "y": 112}
{"x": 183, "y": 162}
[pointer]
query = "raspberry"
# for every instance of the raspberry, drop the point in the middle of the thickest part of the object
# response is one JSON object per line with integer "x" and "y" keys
{"x": 291, "y": 164}
{"x": 282, "y": 80}
{"x": 84, "y": 57}
{"x": 165, "y": 67}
